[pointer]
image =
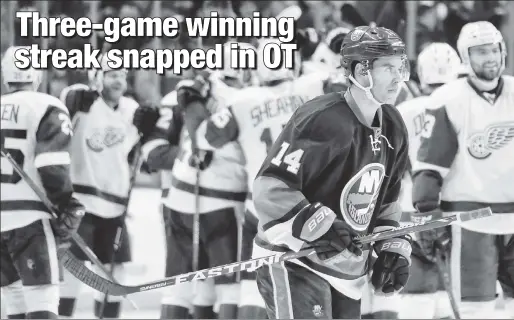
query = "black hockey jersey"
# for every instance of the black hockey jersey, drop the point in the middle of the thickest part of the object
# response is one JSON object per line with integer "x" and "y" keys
{"x": 327, "y": 154}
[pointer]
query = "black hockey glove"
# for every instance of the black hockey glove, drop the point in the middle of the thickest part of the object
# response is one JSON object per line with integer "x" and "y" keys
{"x": 192, "y": 90}
{"x": 391, "y": 269}
{"x": 427, "y": 242}
{"x": 308, "y": 40}
{"x": 145, "y": 118}
{"x": 310, "y": 225}
{"x": 67, "y": 222}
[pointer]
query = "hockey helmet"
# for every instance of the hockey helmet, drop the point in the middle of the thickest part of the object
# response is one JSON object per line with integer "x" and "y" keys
{"x": 266, "y": 74}
{"x": 476, "y": 34}
{"x": 96, "y": 76}
{"x": 245, "y": 76}
{"x": 438, "y": 63}
{"x": 364, "y": 44}
{"x": 12, "y": 74}
{"x": 327, "y": 52}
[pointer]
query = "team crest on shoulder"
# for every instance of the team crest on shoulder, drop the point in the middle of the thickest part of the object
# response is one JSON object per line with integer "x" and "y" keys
{"x": 360, "y": 195}
{"x": 106, "y": 138}
{"x": 482, "y": 144}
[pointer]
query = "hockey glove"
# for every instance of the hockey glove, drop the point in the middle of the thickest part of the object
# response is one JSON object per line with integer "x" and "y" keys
{"x": 67, "y": 222}
{"x": 319, "y": 227}
{"x": 391, "y": 269}
{"x": 430, "y": 240}
{"x": 191, "y": 90}
{"x": 145, "y": 118}
{"x": 308, "y": 40}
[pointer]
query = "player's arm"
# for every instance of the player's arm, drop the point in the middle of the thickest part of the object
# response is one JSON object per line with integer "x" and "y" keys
{"x": 303, "y": 152}
{"x": 439, "y": 146}
{"x": 52, "y": 156}
{"x": 218, "y": 130}
{"x": 52, "y": 160}
{"x": 161, "y": 147}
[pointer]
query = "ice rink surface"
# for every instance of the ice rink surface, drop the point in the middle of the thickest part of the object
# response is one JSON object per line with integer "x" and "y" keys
{"x": 146, "y": 230}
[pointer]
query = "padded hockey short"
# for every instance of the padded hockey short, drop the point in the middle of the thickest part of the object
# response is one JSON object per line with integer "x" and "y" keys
{"x": 99, "y": 234}
{"x": 218, "y": 242}
{"x": 29, "y": 253}
{"x": 478, "y": 260}
{"x": 293, "y": 292}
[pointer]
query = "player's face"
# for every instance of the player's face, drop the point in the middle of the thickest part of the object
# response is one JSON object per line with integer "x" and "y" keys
{"x": 115, "y": 84}
{"x": 387, "y": 76}
{"x": 486, "y": 61}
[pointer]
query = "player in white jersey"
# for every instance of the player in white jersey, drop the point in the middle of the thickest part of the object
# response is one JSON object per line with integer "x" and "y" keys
{"x": 465, "y": 162}
{"x": 424, "y": 296}
{"x": 253, "y": 119}
{"x": 36, "y": 132}
{"x": 107, "y": 127}
{"x": 222, "y": 192}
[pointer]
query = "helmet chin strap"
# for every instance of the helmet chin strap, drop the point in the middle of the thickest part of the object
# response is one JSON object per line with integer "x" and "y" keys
{"x": 367, "y": 90}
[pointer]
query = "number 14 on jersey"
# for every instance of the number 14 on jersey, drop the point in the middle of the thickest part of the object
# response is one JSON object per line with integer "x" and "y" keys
{"x": 292, "y": 159}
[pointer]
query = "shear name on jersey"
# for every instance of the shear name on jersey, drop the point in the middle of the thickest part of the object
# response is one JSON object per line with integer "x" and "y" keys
{"x": 276, "y": 107}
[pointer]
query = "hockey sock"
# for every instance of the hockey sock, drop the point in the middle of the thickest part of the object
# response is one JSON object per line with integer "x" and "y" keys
{"x": 16, "y": 316}
{"x": 174, "y": 312}
{"x": 227, "y": 311}
{"x": 252, "y": 312}
{"x": 67, "y": 306}
{"x": 111, "y": 310}
{"x": 41, "y": 315}
{"x": 203, "y": 312}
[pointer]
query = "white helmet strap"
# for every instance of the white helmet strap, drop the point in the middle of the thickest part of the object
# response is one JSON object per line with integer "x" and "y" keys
{"x": 366, "y": 90}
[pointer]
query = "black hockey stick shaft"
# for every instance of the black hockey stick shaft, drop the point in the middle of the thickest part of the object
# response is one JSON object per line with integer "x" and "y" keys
{"x": 119, "y": 230}
{"x": 444, "y": 272}
{"x": 103, "y": 285}
{"x": 49, "y": 206}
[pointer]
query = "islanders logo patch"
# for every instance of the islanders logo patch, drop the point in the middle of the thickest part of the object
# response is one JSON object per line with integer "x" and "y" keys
{"x": 360, "y": 195}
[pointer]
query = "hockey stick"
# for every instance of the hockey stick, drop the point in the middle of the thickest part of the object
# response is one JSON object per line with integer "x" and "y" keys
{"x": 443, "y": 270}
{"x": 119, "y": 231}
{"x": 103, "y": 285}
{"x": 48, "y": 204}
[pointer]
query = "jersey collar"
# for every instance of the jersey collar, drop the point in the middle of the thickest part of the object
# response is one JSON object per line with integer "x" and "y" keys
{"x": 495, "y": 93}
{"x": 377, "y": 120}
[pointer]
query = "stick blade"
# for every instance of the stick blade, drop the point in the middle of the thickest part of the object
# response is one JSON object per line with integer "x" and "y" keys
{"x": 80, "y": 271}
{"x": 475, "y": 214}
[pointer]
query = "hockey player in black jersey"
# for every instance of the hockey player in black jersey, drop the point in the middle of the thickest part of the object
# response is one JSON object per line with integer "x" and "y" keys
{"x": 36, "y": 132}
{"x": 335, "y": 173}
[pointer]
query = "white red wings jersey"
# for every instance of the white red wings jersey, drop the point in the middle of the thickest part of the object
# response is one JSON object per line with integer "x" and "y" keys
{"x": 255, "y": 118}
{"x": 471, "y": 147}
{"x": 103, "y": 138}
{"x": 36, "y": 131}
{"x": 223, "y": 181}
{"x": 413, "y": 114}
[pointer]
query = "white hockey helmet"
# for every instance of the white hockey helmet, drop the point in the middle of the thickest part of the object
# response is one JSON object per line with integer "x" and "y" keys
{"x": 246, "y": 76}
{"x": 476, "y": 34}
{"x": 13, "y": 74}
{"x": 438, "y": 63}
{"x": 96, "y": 76}
{"x": 267, "y": 75}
